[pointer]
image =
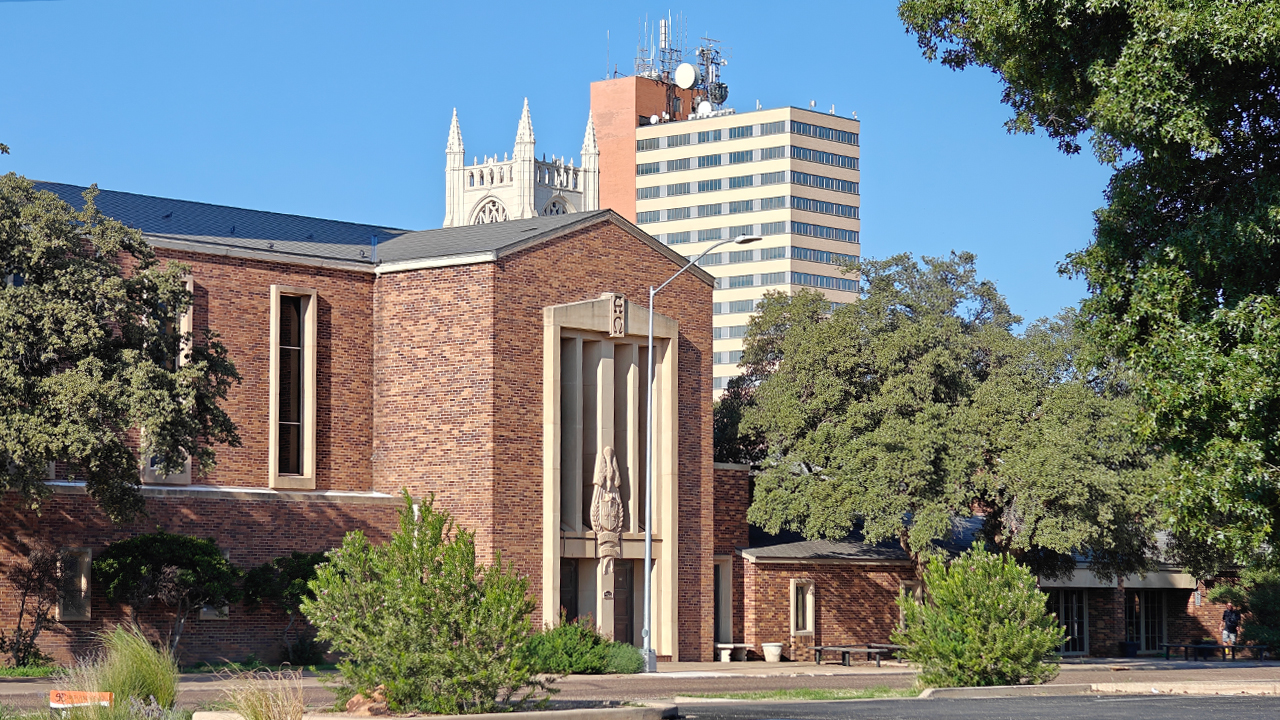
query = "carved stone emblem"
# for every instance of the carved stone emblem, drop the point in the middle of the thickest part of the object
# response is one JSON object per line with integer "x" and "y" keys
{"x": 617, "y": 315}
{"x": 606, "y": 509}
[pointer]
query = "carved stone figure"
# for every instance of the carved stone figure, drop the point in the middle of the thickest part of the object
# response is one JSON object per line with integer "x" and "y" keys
{"x": 606, "y": 509}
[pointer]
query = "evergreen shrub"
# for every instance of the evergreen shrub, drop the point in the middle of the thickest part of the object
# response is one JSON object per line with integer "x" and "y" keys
{"x": 983, "y": 622}
{"x": 574, "y": 647}
{"x": 421, "y": 617}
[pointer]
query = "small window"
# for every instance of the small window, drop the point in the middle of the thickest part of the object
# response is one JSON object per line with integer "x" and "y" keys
{"x": 681, "y": 164}
{"x": 709, "y": 161}
{"x": 678, "y": 189}
{"x": 708, "y": 136}
{"x": 648, "y": 168}
{"x": 650, "y": 216}
{"x": 646, "y": 144}
{"x": 802, "y": 615}
{"x": 773, "y": 128}
{"x": 292, "y": 448}
{"x": 648, "y": 193}
{"x": 708, "y": 185}
{"x": 75, "y": 566}
{"x": 678, "y": 140}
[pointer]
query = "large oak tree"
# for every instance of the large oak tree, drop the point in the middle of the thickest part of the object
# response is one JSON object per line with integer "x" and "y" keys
{"x": 1183, "y": 98}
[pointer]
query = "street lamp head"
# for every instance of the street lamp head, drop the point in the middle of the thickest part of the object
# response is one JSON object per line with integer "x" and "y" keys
{"x": 746, "y": 239}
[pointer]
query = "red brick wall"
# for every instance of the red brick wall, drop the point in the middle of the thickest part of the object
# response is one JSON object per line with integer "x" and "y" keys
{"x": 433, "y": 391}
{"x": 233, "y": 298}
{"x": 581, "y": 266}
{"x": 733, "y": 497}
{"x": 853, "y": 604}
{"x": 253, "y": 530}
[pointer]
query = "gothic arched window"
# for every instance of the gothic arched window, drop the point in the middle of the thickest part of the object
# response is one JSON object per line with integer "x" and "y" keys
{"x": 490, "y": 211}
{"x": 557, "y": 206}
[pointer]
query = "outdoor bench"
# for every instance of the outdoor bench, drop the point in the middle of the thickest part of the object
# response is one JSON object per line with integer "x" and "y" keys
{"x": 733, "y": 651}
{"x": 1188, "y": 647}
{"x": 846, "y": 651}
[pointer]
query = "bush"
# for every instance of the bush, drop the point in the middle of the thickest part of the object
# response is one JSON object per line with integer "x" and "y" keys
{"x": 143, "y": 679}
{"x": 266, "y": 695}
{"x": 1258, "y": 594}
{"x": 285, "y": 582}
{"x": 421, "y": 617}
{"x": 984, "y": 623}
{"x": 574, "y": 647}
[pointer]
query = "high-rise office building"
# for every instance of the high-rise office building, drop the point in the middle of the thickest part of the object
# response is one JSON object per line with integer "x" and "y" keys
{"x": 787, "y": 174}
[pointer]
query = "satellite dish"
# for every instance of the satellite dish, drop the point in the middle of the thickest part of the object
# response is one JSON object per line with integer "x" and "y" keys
{"x": 704, "y": 108}
{"x": 718, "y": 92}
{"x": 687, "y": 76}
{"x": 653, "y": 119}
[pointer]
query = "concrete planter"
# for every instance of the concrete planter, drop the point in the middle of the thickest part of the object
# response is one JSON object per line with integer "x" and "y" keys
{"x": 772, "y": 652}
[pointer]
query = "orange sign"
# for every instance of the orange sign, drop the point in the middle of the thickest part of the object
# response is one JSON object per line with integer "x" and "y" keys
{"x": 76, "y": 698}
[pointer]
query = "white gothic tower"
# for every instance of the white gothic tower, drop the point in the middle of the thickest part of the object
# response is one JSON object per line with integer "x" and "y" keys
{"x": 519, "y": 186}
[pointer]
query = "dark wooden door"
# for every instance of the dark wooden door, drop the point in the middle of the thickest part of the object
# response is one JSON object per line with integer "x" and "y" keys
{"x": 623, "y": 602}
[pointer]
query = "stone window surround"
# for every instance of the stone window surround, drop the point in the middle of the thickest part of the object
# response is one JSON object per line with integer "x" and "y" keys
{"x": 186, "y": 326}
{"x": 306, "y": 480}
{"x": 810, "y": 613}
{"x": 83, "y": 557}
{"x": 593, "y": 316}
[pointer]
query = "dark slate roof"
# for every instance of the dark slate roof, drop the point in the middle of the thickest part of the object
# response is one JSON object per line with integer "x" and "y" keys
{"x": 788, "y": 545}
{"x": 308, "y": 239}
{"x": 220, "y": 225}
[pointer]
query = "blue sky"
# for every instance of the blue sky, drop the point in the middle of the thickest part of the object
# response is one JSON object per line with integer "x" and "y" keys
{"x": 341, "y": 110}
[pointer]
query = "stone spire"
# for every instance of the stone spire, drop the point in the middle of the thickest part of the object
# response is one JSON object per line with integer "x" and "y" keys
{"x": 524, "y": 133}
{"x": 455, "y": 135}
{"x": 589, "y": 146}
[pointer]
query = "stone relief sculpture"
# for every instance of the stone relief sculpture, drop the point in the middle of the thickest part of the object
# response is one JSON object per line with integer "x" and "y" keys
{"x": 606, "y": 509}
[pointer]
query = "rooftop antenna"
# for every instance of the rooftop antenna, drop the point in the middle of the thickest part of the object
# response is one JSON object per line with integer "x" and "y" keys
{"x": 606, "y": 53}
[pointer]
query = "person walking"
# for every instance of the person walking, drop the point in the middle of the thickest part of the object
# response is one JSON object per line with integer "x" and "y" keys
{"x": 1230, "y": 624}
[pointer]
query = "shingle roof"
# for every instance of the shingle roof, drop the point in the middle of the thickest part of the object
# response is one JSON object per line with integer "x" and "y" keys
{"x": 789, "y": 546}
{"x": 219, "y": 228}
{"x": 221, "y": 225}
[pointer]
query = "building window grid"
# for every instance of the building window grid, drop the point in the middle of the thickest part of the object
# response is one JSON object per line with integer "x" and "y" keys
{"x": 824, "y": 207}
{"x": 741, "y": 156}
{"x": 648, "y": 193}
{"x": 823, "y": 182}
{"x": 825, "y": 282}
{"x": 773, "y": 128}
{"x": 681, "y": 213}
{"x": 823, "y": 157}
{"x": 737, "y": 230}
{"x": 825, "y": 257}
{"x": 648, "y": 216}
{"x": 708, "y": 185}
{"x": 822, "y": 231}
{"x": 678, "y": 189}
{"x": 678, "y": 238}
{"x": 705, "y": 161}
{"x": 678, "y": 165}
{"x": 647, "y": 144}
{"x": 710, "y": 210}
{"x": 678, "y": 140}
{"x": 742, "y": 131}
{"x": 774, "y": 228}
{"x": 824, "y": 133}
{"x": 706, "y": 136}
{"x": 742, "y": 181}
{"x": 727, "y": 357}
{"x": 648, "y": 168}
{"x": 708, "y": 234}
{"x": 741, "y": 206}
{"x": 740, "y": 256}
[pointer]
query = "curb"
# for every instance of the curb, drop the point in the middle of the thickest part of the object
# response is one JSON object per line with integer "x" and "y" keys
{"x": 1205, "y": 687}
{"x": 652, "y": 712}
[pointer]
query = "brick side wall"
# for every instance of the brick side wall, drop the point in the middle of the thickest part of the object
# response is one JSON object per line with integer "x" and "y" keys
{"x": 581, "y": 266}
{"x": 733, "y": 497}
{"x": 433, "y": 390}
{"x": 254, "y": 531}
{"x": 233, "y": 298}
{"x": 853, "y": 604}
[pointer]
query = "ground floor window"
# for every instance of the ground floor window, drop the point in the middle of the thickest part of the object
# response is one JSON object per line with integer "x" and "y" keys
{"x": 1144, "y": 618}
{"x": 801, "y": 606}
{"x": 723, "y": 599}
{"x": 1071, "y": 607}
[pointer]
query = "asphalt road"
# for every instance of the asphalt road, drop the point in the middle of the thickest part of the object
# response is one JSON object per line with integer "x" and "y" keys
{"x": 1126, "y": 707}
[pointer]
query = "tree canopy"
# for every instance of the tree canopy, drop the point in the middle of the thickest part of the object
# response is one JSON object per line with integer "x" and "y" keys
{"x": 1184, "y": 268}
{"x": 89, "y": 354}
{"x": 918, "y": 405}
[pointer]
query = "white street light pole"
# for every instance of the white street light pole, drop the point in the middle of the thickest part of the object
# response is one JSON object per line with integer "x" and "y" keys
{"x": 650, "y": 657}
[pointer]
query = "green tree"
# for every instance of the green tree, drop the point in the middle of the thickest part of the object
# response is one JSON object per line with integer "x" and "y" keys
{"x": 88, "y": 354}
{"x": 918, "y": 405}
{"x": 285, "y": 582}
{"x": 420, "y": 616}
{"x": 983, "y": 622}
{"x": 732, "y": 442}
{"x": 1184, "y": 268}
{"x": 180, "y": 572}
{"x": 38, "y": 585}
{"x": 1257, "y": 593}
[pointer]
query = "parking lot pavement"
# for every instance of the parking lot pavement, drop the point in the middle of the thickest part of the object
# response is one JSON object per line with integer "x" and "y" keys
{"x": 1127, "y": 707}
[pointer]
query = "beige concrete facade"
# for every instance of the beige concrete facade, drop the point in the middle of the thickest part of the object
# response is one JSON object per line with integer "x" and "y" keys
{"x": 788, "y": 174}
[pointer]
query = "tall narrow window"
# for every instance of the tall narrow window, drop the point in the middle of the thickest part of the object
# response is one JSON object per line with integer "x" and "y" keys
{"x": 802, "y": 615}
{"x": 183, "y": 326}
{"x": 289, "y": 392}
{"x": 74, "y": 602}
{"x": 293, "y": 388}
